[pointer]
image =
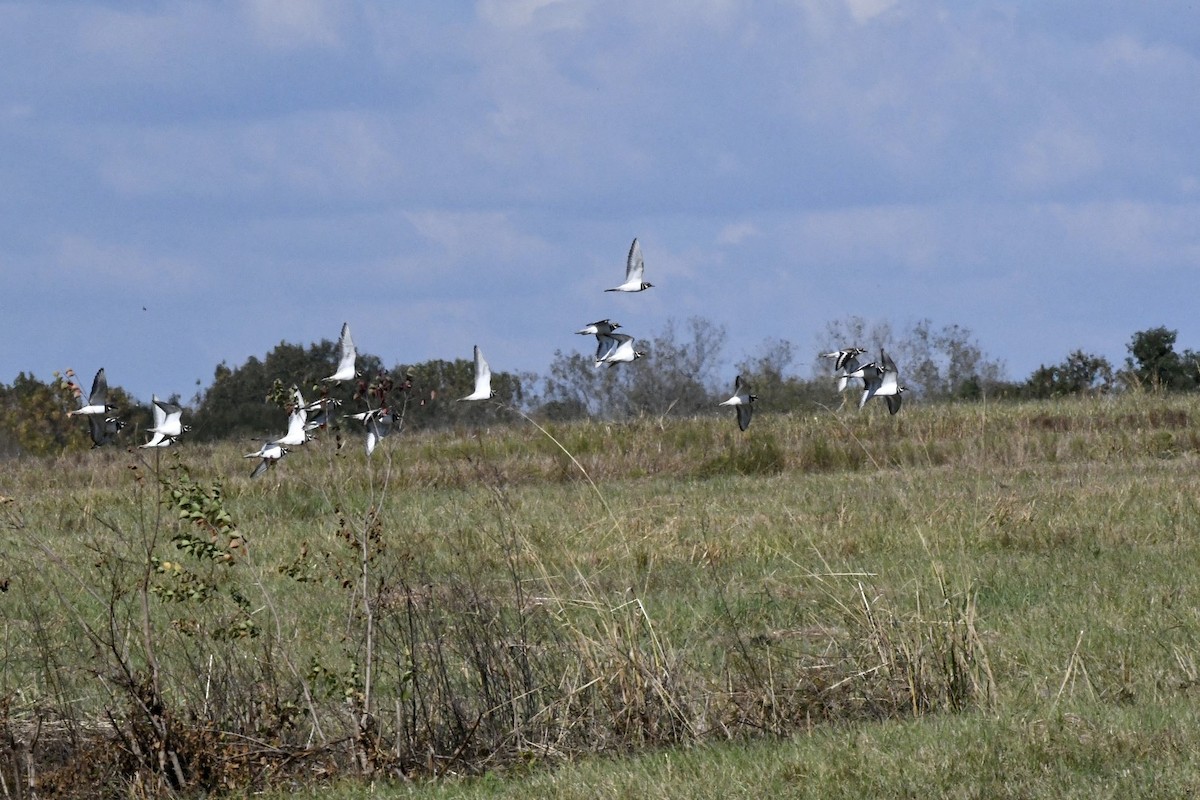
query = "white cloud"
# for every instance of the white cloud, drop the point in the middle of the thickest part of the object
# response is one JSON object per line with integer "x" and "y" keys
{"x": 327, "y": 154}
{"x": 542, "y": 14}
{"x": 1056, "y": 154}
{"x": 135, "y": 268}
{"x": 737, "y": 232}
{"x": 290, "y": 24}
{"x": 881, "y": 235}
{"x": 1130, "y": 235}
{"x": 126, "y": 37}
{"x": 866, "y": 10}
{"x": 464, "y": 236}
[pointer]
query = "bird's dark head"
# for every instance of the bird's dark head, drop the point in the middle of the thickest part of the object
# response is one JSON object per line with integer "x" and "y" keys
{"x": 647, "y": 285}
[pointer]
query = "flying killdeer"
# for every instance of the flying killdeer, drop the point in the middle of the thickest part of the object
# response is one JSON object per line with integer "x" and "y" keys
{"x": 599, "y": 327}
{"x": 168, "y": 425}
{"x": 297, "y": 432}
{"x": 483, "y": 379}
{"x": 323, "y": 408}
{"x": 742, "y": 399}
{"x": 605, "y": 343}
{"x": 379, "y": 423}
{"x": 616, "y": 348}
{"x": 270, "y": 453}
{"x": 103, "y": 429}
{"x": 635, "y": 268}
{"x": 842, "y": 357}
{"x": 845, "y": 362}
{"x": 97, "y": 403}
{"x": 345, "y": 369}
{"x": 884, "y": 382}
{"x": 863, "y": 372}
{"x": 159, "y": 418}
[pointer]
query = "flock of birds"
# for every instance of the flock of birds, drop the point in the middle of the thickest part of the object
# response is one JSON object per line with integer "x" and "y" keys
{"x": 879, "y": 379}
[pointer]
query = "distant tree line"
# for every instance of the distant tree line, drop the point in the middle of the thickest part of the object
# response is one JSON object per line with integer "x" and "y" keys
{"x": 244, "y": 401}
{"x": 1152, "y": 364}
{"x": 685, "y": 374}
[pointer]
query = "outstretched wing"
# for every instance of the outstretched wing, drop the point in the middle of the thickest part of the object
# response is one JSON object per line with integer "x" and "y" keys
{"x": 483, "y": 374}
{"x": 635, "y": 266}
{"x": 99, "y": 395}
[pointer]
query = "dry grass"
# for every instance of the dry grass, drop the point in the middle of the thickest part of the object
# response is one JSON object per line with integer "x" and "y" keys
{"x": 483, "y": 600}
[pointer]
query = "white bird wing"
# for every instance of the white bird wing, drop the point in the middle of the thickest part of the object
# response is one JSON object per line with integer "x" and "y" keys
{"x": 155, "y": 441}
{"x": 348, "y": 350}
{"x": 622, "y": 350}
{"x": 159, "y": 414}
{"x": 606, "y": 344}
{"x": 741, "y": 393}
{"x": 378, "y": 426}
{"x": 348, "y": 355}
{"x": 846, "y": 371}
{"x": 888, "y": 384}
{"x": 296, "y": 430}
{"x": 483, "y": 375}
{"x": 635, "y": 266}
{"x": 872, "y": 380}
{"x": 172, "y": 416}
{"x": 300, "y": 410}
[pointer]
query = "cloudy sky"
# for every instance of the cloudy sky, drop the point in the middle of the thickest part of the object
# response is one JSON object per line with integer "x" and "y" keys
{"x": 191, "y": 183}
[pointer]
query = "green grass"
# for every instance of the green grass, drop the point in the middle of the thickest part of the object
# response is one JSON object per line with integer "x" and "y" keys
{"x": 1119, "y": 753}
{"x": 962, "y": 601}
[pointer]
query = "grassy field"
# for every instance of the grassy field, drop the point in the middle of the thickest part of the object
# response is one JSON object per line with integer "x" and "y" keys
{"x": 962, "y": 601}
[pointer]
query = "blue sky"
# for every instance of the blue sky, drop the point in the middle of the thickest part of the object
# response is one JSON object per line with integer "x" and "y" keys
{"x": 441, "y": 174}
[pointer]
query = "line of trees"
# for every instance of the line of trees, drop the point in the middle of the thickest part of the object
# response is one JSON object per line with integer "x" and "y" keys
{"x": 685, "y": 374}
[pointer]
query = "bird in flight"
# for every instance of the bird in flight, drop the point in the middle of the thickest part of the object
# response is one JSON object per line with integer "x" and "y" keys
{"x": 884, "y": 381}
{"x": 270, "y": 453}
{"x": 616, "y": 348}
{"x": 742, "y": 400}
{"x": 599, "y": 327}
{"x": 168, "y": 423}
{"x": 103, "y": 429}
{"x": 635, "y": 268}
{"x": 483, "y": 379}
{"x": 845, "y": 362}
{"x": 345, "y": 369}
{"x": 297, "y": 432}
{"x": 97, "y": 403}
